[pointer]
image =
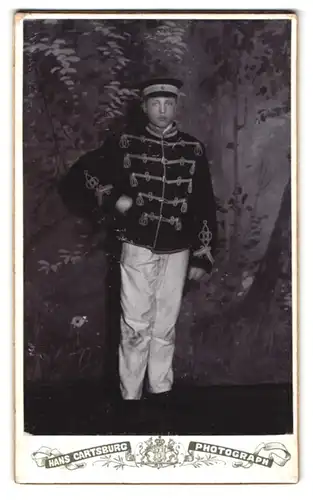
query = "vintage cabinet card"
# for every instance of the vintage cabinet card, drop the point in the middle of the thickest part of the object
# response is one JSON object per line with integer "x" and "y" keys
{"x": 155, "y": 245}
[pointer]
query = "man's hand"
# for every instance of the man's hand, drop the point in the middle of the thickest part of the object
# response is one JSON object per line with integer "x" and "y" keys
{"x": 123, "y": 204}
{"x": 196, "y": 273}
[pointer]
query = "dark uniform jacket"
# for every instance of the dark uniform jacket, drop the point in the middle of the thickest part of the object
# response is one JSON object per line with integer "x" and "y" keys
{"x": 169, "y": 181}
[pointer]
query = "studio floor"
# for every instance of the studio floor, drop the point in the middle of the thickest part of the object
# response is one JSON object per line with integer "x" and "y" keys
{"x": 86, "y": 408}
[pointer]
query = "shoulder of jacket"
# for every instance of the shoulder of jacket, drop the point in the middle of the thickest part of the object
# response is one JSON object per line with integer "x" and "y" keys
{"x": 189, "y": 138}
{"x": 111, "y": 140}
{"x": 133, "y": 130}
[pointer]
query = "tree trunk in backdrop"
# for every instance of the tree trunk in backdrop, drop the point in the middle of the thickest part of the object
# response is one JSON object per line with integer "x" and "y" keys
{"x": 273, "y": 262}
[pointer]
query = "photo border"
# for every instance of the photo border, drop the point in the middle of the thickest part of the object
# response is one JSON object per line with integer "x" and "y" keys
{"x": 26, "y": 445}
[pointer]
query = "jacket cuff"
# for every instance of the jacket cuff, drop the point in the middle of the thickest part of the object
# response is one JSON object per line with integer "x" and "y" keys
{"x": 202, "y": 261}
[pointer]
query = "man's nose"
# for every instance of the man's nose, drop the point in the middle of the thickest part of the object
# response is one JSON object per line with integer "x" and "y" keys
{"x": 162, "y": 108}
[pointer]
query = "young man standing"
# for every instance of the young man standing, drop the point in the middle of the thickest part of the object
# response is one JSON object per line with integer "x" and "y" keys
{"x": 155, "y": 181}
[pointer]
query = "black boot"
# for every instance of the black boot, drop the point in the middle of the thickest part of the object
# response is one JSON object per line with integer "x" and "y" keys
{"x": 161, "y": 412}
{"x": 161, "y": 400}
{"x": 129, "y": 416}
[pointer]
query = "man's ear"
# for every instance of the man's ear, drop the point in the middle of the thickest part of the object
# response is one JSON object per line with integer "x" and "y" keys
{"x": 144, "y": 106}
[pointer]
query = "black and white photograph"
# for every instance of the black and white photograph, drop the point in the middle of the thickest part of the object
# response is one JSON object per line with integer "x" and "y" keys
{"x": 159, "y": 237}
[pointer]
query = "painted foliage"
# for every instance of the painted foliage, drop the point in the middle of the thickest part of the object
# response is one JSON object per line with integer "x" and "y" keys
{"x": 79, "y": 82}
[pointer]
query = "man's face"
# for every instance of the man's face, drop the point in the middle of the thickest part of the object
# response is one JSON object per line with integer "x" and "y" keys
{"x": 160, "y": 110}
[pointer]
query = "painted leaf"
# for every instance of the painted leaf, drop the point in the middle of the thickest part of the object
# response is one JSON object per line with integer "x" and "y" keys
{"x": 73, "y": 59}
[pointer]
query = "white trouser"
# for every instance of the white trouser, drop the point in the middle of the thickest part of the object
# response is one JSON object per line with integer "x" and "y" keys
{"x": 151, "y": 293}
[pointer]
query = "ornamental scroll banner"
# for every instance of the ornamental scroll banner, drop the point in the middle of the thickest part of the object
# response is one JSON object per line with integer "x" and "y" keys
{"x": 162, "y": 452}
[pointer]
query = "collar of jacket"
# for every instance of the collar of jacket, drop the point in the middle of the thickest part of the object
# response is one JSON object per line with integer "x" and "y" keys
{"x": 170, "y": 131}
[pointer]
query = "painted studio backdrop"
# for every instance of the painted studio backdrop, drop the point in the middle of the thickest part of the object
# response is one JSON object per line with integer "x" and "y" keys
{"x": 80, "y": 77}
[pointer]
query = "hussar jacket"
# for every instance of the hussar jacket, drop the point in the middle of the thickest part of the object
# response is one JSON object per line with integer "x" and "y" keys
{"x": 168, "y": 180}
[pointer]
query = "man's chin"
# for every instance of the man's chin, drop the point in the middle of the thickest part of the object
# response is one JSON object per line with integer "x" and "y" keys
{"x": 162, "y": 124}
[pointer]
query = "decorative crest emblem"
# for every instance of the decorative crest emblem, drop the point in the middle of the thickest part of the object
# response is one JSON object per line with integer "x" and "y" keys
{"x": 157, "y": 453}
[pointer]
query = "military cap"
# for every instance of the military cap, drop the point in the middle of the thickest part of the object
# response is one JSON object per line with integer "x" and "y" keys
{"x": 160, "y": 87}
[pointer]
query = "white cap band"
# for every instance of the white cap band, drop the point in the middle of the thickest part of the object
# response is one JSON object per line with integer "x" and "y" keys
{"x": 160, "y": 88}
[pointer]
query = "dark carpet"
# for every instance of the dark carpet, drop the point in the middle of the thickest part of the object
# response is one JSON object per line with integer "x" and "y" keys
{"x": 85, "y": 408}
